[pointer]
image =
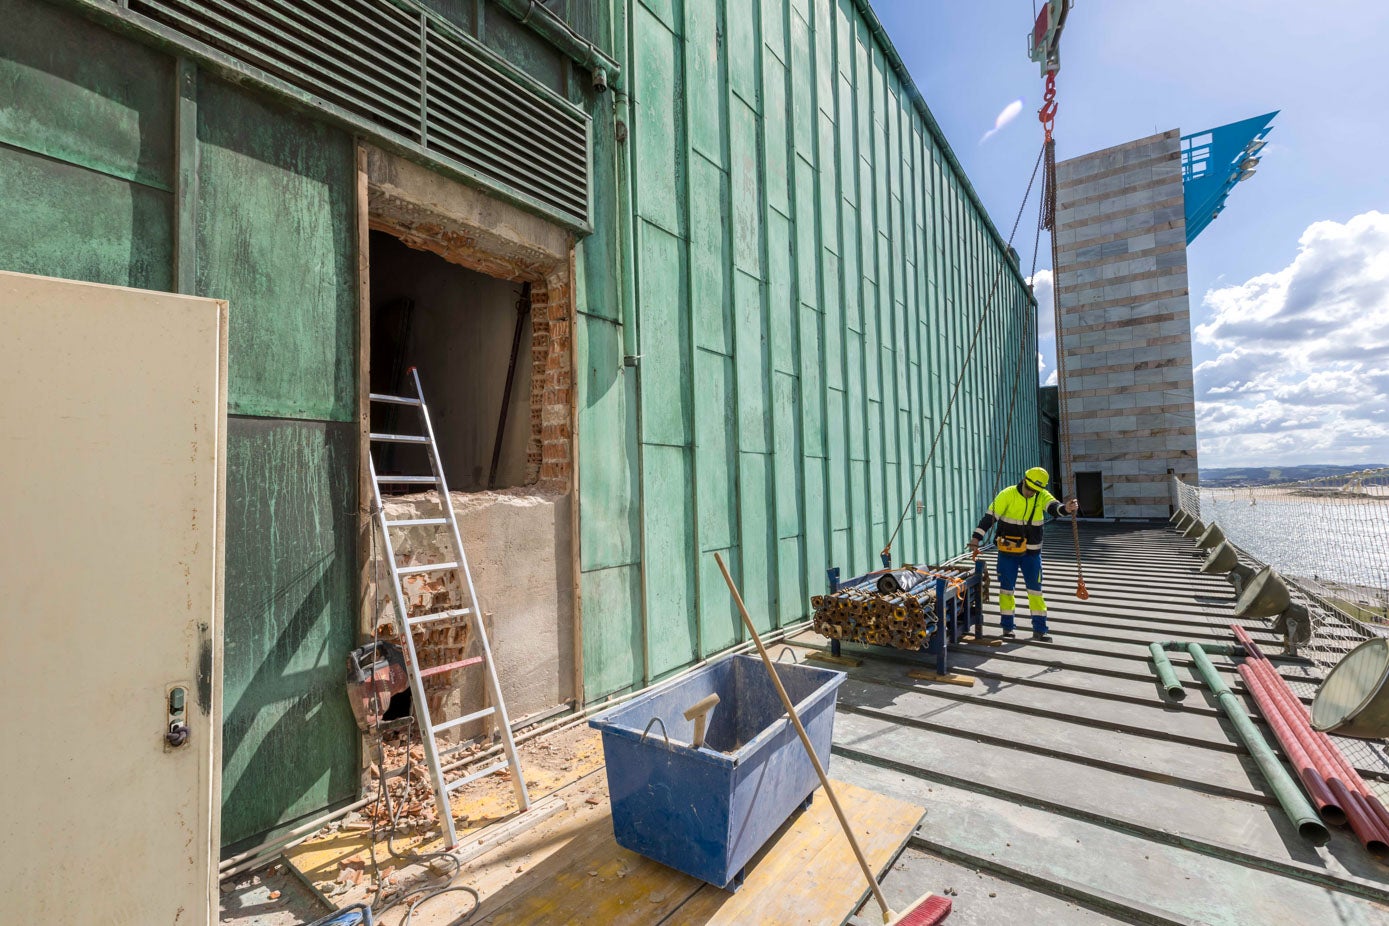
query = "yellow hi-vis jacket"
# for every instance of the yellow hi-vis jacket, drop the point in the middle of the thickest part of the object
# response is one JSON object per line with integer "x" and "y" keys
{"x": 1019, "y": 519}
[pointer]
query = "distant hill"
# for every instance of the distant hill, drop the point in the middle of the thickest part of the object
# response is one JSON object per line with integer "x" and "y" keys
{"x": 1261, "y": 475}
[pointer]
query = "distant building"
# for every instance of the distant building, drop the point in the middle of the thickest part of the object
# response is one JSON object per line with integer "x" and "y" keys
{"x": 1125, "y": 326}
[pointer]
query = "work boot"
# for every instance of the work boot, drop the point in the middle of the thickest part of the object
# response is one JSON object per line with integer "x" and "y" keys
{"x": 1041, "y": 637}
{"x": 1007, "y": 634}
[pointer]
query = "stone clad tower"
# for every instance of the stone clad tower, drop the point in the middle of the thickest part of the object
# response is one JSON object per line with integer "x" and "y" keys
{"x": 1123, "y": 306}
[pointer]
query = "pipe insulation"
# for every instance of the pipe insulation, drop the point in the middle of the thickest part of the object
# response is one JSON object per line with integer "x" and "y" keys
{"x": 1285, "y": 790}
{"x": 1367, "y": 815}
{"x": 1166, "y": 677}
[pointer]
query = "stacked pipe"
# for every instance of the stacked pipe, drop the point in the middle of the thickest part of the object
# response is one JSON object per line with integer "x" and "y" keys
{"x": 1337, "y": 789}
{"x": 891, "y": 608}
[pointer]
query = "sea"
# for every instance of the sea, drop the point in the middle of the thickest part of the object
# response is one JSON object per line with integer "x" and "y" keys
{"x": 1326, "y": 537}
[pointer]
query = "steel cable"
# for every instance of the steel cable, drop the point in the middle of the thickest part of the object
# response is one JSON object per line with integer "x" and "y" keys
{"x": 964, "y": 367}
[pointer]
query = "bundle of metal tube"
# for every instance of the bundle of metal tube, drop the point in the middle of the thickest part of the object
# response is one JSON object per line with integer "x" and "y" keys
{"x": 893, "y": 608}
{"x": 1334, "y": 785}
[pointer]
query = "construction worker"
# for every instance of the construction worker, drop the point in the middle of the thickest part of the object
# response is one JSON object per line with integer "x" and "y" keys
{"x": 1019, "y": 512}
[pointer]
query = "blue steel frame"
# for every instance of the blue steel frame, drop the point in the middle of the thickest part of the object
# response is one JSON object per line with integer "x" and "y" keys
{"x": 1213, "y": 161}
{"x": 957, "y": 611}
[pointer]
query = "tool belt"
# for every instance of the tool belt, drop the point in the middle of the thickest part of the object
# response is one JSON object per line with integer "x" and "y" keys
{"x": 1011, "y": 545}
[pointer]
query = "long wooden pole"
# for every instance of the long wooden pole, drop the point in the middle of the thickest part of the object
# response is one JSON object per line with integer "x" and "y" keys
{"x": 805, "y": 740}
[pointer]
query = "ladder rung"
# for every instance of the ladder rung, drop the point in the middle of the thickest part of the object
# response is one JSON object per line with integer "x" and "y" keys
{"x": 412, "y": 480}
{"x": 459, "y": 721}
{"x": 400, "y": 438}
{"x": 436, "y": 616}
{"x": 489, "y": 770}
{"x": 393, "y": 399}
{"x": 427, "y": 567}
{"x": 450, "y": 666}
{"x": 417, "y": 522}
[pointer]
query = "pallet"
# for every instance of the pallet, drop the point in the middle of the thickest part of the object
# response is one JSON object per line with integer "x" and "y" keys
{"x": 805, "y": 875}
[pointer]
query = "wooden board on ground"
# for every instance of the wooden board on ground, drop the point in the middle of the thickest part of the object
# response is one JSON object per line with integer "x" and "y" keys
{"x": 831, "y": 659}
{"x": 805, "y": 874}
{"x": 951, "y": 678}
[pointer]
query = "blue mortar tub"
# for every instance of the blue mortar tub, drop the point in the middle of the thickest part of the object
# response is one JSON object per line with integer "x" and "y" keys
{"x": 706, "y": 812}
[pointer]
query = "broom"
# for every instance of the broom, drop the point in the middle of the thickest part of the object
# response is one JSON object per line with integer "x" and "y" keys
{"x": 927, "y": 910}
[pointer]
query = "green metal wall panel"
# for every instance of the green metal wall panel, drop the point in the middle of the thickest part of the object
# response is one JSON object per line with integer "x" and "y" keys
{"x": 276, "y": 220}
{"x": 289, "y": 740}
{"x": 612, "y": 630}
{"x": 58, "y": 219}
{"x": 809, "y": 273}
{"x": 86, "y": 151}
{"x": 607, "y": 436}
{"x": 75, "y": 92}
{"x": 673, "y": 632}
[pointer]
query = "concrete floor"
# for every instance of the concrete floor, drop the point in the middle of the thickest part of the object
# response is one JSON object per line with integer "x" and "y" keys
{"x": 1061, "y": 788}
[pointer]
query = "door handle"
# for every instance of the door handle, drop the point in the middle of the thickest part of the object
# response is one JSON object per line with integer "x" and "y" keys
{"x": 176, "y": 731}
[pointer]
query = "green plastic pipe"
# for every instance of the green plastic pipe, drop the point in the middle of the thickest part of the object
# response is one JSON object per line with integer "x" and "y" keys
{"x": 1289, "y": 796}
{"x": 1210, "y": 649}
{"x": 1165, "y": 675}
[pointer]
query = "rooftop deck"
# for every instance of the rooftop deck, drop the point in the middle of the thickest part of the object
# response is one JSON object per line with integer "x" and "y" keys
{"x": 1061, "y": 788}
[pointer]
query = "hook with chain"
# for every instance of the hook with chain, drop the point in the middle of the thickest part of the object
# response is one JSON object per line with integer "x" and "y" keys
{"x": 1047, "y": 114}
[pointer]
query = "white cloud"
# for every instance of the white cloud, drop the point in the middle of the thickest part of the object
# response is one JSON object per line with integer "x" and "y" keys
{"x": 1005, "y": 116}
{"x": 1302, "y": 373}
{"x": 1046, "y": 330}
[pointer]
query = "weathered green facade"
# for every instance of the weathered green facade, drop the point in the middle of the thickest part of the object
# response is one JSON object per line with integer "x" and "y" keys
{"x": 779, "y": 239}
{"x": 808, "y": 270}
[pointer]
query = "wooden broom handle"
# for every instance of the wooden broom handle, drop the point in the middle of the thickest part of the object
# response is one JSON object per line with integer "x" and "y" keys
{"x": 805, "y": 740}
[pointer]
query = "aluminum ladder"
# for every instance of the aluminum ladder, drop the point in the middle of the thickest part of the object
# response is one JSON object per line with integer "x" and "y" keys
{"x": 471, "y": 612}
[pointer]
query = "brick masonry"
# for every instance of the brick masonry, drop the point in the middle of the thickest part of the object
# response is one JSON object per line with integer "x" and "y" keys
{"x": 1125, "y": 319}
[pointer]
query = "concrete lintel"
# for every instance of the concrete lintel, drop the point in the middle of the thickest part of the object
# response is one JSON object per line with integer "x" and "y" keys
{"x": 434, "y": 209}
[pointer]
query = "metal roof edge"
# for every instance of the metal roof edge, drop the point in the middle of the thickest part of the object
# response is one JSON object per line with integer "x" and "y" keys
{"x": 865, "y": 9}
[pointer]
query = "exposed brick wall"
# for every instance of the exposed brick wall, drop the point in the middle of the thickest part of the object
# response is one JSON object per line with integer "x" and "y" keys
{"x": 552, "y": 381}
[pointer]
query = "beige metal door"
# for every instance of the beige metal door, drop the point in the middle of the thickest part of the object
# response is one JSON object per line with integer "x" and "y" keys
{"x": 112, "y": 446}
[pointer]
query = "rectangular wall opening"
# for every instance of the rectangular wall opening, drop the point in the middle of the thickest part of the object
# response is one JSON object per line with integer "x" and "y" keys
{"x": 1090, "y": 494}
{"x": 455, "y": 304}
{"x": 469, "y": 335}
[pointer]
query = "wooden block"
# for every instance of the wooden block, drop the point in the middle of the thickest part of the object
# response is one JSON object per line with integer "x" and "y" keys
{"x": 835, "y": 660}
{"x": 981, "y": 641}
{"x": 951, "y": 679}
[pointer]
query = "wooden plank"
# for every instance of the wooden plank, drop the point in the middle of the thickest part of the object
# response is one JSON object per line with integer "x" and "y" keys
{"x": 809, "y": 875}
{"x": 806, "y": 871}
{"x": 835, "y": 660}
{"x": 949, "y": 678}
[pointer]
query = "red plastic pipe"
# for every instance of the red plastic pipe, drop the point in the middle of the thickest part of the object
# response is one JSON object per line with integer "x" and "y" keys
{"x": 1250, "y": 646}
{"x": 1307, "y": 770}
{"x": 1367, "y": 816}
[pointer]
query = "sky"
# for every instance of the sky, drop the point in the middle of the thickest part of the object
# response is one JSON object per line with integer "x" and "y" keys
{"x": 1290, "y": 285}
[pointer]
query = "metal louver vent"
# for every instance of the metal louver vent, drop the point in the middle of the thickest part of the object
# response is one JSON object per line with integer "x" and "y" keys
{"x": 404, "y": 73}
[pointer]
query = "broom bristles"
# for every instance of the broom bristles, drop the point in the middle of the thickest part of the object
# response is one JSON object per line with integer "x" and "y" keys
{"x": 926, "y": 910}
